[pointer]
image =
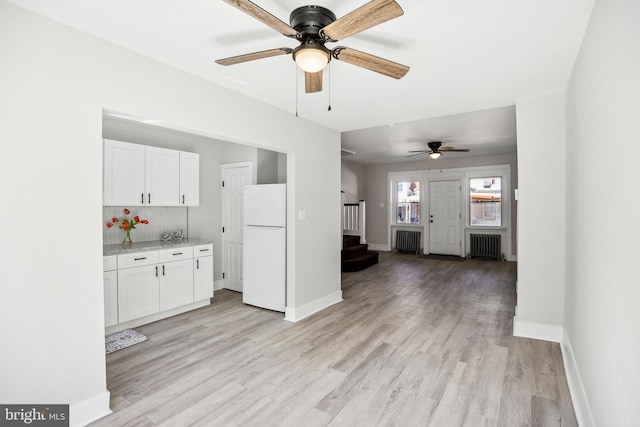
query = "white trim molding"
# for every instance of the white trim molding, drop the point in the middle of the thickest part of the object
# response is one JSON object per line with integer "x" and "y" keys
{"x": 537, "y": 331}
{"x": 218, "y": 285}
{"x": 294, "y": 314}
{"x": 379, "y": 247}
{"x": 579, "y": 397}
{"x": 88, "y": 410}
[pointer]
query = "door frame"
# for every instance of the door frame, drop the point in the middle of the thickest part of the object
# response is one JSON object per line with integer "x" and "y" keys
{"x": 428, "y": 229}
{"x": 224, "y": 166}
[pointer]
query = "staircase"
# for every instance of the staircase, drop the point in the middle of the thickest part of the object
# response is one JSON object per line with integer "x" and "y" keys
{"x": 356, "y": 256}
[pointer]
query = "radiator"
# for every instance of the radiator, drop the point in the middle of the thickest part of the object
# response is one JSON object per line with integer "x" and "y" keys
{"x": 486, "y": 246}
{"x": 408, "y": 241}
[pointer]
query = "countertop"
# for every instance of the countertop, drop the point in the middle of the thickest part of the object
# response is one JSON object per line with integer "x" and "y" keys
{"x": 117, "y": 249}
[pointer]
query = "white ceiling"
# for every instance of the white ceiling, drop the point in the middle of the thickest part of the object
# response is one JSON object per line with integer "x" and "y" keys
{"x": 465, "y": 56}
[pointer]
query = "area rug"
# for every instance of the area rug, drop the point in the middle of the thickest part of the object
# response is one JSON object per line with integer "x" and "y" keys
{"x": 443, "y": 257}
{"x": 119, "y": 340}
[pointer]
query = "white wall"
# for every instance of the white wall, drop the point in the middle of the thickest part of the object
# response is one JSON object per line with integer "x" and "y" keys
{"x": 602, "y": 320}
{"x": 353, "y": 182}
{"x": 55, "y": 83}
{"x": 541, "y": 216}
{"x": 377, "y": 190}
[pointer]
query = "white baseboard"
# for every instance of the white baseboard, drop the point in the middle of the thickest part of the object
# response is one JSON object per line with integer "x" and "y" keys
{"x": 512, "y": 258}
{"x": 294, "y": 314}
{"x": 537, "y": 331}
{"x": 377, "y": 247}
{"x": 89, "y": 410}
{"x": 576, "y": 386}
{"x": 218, "y": 284}
{"x": 157, "y": 316}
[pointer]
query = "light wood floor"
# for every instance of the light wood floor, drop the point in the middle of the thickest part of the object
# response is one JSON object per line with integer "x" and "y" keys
{"x": 416, "y": 342}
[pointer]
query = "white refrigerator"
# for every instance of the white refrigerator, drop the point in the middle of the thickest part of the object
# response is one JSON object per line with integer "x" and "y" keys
{"x": 264, "y": 246}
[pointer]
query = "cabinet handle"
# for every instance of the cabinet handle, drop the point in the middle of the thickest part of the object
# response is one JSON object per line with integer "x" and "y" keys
{"x": 198, "y": 264}
{"x": 156, "y": 271}
{"x": 204, "y": 250}
{"x": 183, "y": 199}
{"x": 140, "y": 259}
{"x": 177, "y": 253}
{"x": 142, "y": 198}
{"x": 163, "y": 270}
{"x": 149, "y": 198}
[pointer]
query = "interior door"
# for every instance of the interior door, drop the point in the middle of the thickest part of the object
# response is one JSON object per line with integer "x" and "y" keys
{"x": 445, "y": 217}
{"x": 234, "y": 176}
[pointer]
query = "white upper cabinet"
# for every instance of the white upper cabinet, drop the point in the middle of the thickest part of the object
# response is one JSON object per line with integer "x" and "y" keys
{"x": 139, "y": 175}
{"x": 162, "y": 176}
{"x": 189, "y": 179}
{"x": 124, "y": 170}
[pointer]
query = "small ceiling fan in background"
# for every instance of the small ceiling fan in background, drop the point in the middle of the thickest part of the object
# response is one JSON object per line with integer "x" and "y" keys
{"x": 436, "y": 150}
{"x": 313, "y": 26}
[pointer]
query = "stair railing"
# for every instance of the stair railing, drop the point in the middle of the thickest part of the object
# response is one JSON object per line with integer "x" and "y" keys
{"x": 354, "y": 220}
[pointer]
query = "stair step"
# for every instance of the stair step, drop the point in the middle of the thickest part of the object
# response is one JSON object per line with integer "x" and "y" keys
{"x": 354, "y": 251}
{"x": 350, "y": 240}
{"x": 360, "y": 262}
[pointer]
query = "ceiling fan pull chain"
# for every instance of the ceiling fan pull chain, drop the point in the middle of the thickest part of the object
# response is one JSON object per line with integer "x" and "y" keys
{"x": 329, "y": 84}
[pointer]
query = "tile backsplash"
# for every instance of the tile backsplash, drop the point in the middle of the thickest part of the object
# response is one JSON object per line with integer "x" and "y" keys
{"x": 161, "y": 219}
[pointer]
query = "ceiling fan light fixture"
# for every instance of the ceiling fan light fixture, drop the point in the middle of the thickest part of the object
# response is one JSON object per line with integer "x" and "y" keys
{"x": 311, "y": 58}
{"x": 435, "y": 155}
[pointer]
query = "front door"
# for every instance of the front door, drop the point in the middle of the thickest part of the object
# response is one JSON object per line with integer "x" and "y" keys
{"x": 234, "y": 177}
{"x": 444, "y": 217}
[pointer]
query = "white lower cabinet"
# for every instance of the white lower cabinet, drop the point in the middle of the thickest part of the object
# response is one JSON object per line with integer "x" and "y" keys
{"x": 110, "y": 276}
{"x": 150, "y": 283}
{"x": 203, "y": 272}
{"x": 138, "y": 292}
{"x": 176, "y": 284}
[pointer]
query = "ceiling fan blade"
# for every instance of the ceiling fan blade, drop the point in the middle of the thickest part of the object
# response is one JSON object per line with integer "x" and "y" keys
{"x": 253, "y": 56}
{"x": 373, "y": 13}
{"x": 313, "y": 82}
{"x": 461, "y": 150}
{"x": 265, "y": 17}
{"x": 420, "y": 151}
{"x": 417, "y": 154}
{"x": 370, "y": 62}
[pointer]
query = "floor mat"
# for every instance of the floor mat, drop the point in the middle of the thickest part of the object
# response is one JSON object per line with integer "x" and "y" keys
{"x": 123, "y": 339}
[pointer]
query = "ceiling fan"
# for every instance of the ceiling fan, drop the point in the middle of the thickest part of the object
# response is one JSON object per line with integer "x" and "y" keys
{"x": 436, "y": 150}
{"x": 313, "y": 26}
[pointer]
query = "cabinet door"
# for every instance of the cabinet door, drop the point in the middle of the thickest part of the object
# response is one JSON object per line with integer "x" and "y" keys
{"x": 110, "y": 298}
{"x": 176, "y": 284}
{"x": 138, "y": 292}
{"x": 189, "y": 179}
{"x": 162, "y": 177}
{"x": 124, "y": 174}
{"x": 203, "y": 278}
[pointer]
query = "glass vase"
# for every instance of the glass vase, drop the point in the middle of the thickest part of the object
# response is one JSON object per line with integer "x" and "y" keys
{"x": 126, "y": 243}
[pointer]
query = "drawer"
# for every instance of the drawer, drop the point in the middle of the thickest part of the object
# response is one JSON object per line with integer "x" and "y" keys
{"x": 137, "y": 259}
{"x": 175, "y": 254}
{"x": 203, "y": 250}
{"x": 109, "y": 263}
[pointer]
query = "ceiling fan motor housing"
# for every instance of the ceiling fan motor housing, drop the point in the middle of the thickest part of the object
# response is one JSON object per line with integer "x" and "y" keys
{"x": 309, "y": 20}
{"x": 434, "y": 145}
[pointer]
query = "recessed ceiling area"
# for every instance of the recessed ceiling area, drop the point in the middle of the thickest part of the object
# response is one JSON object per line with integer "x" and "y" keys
{"x": 484, "y": 133}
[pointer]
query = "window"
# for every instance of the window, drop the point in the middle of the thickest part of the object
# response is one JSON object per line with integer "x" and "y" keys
{"x": 408, "y": 202}
{"x": 485, "y": 202}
